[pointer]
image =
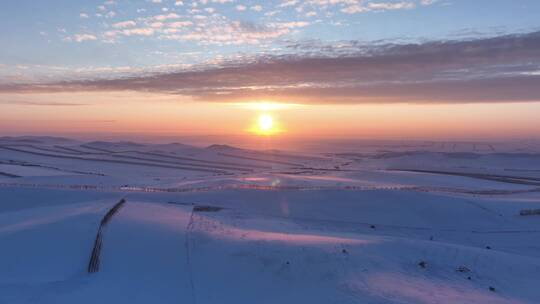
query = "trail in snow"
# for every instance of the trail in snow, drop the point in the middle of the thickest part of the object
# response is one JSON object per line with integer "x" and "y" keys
{"x": 93, "y": 264}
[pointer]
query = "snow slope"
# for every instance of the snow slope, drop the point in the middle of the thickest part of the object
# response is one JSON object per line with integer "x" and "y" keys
{"x": 292, "y": 228}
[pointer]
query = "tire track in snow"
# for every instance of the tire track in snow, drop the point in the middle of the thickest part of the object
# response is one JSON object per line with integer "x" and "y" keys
{"x": 93, "y": 264}
{"x": 189, "y": 229}
{"x": 8, "y": 175}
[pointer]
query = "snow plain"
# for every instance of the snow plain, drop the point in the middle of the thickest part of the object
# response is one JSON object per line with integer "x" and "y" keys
{"x": 380, "y": 222}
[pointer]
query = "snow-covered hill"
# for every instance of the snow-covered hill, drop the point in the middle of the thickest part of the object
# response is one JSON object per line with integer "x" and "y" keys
{"x": 222, "y": 224}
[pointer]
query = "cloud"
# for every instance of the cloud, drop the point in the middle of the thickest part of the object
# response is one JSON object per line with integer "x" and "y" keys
{"x": 40, "y": 103}
{"x": 361, "y": 7}
{"x": 256, "y": 8}
{"x": 148, "y": 27}
{"x": 390, "y": 5}
{"x": 497, "y": 69}
{"x": 288, "y": 3}
{"x": 213, "y": 29}
{"x": 179, "y": 24}
{"x": 138, "y": 32}
{"x": 166, "y": 17}
{"x": 357, "y": 6}
{"x": 219, "y": 32}
{"x": 81, "y": 37}
{"x": 290, "y": 25}
{"x": 211, "y": 25}
{"x": 124, "y": 24}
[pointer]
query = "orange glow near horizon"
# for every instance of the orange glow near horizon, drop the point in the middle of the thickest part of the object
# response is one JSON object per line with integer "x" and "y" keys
{"x": 159, "y": 114}
{"x": 266, "y": 105}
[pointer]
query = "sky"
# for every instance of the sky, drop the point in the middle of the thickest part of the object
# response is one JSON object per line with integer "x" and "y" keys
{"x": 359, "y": 69}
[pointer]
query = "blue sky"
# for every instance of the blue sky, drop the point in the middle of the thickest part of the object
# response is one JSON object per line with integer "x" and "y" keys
{"x": 429, "y": 68}
{"x": 43, "y": 40}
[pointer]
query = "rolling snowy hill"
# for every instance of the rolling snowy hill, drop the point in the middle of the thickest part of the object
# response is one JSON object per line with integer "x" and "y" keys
{"x": 221, "y": 224}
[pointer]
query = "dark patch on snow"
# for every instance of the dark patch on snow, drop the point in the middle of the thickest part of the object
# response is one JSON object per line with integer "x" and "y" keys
{"x": 181, "y": 203}
{"x": 463, "y": 269}
{"x": 206, "y": 209}
{"x": 526, "y": 212}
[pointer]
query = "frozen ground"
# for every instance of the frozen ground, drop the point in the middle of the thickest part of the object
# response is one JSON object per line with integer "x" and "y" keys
{"x": 381, "y": 222}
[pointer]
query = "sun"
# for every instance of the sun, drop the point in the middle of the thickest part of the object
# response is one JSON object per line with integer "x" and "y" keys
{"x": 265, "y": 124}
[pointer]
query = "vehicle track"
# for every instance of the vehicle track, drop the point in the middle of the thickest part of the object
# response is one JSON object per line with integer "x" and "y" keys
{"x": 93, "y": 264}
{"x": 187, "y": 244}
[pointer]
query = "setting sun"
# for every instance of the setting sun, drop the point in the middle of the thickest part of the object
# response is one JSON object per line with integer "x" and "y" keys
{"x": 265, "y": 124}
